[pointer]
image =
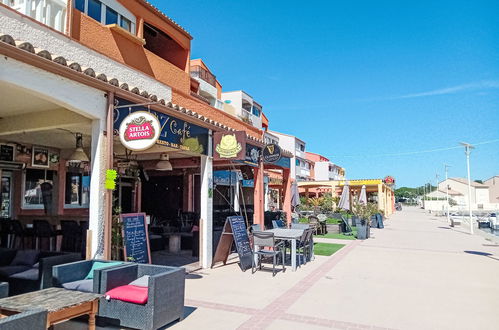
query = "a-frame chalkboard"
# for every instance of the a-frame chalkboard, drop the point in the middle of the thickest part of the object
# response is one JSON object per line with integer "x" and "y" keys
{"x": 234, "y": 232}
{"x": 135, "y": 238}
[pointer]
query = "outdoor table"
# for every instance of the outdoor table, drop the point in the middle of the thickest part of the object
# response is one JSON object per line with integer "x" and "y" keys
{"x": 61, "y": 304}
{"x": 288, "y": 235}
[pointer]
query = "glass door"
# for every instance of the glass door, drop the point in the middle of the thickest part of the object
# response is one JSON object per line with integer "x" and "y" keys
{"x": 6, "y": 195}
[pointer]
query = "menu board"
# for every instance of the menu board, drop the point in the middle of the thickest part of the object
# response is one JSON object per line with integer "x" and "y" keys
{"x": 7, "y": 152}
{"x": 135, "y": 238}
{"x": 234, "y": 231}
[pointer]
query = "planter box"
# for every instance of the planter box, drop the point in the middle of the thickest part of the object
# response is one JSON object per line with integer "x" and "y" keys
{"x": 333, "y": 228}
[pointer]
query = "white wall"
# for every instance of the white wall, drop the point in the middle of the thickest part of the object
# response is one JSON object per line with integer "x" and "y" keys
{"x": 493, "y": 184}
{"x": 482, "y": 195}
{"x": 288, "y": 142}
{"x": 39, "y": 36}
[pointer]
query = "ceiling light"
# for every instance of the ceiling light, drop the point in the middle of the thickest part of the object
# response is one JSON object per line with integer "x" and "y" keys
{"x": 79, "y": 155}
{"x": 164, "y": 164}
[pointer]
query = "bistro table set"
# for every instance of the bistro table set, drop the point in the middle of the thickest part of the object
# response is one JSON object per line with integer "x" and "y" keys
{"x": 275, "y": 242}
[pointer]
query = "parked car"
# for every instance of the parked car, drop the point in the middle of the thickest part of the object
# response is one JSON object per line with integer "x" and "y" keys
{"x": 494, "y": 222}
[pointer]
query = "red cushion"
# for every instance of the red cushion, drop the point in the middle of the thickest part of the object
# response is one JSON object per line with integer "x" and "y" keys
{"x": 129, "y": 293}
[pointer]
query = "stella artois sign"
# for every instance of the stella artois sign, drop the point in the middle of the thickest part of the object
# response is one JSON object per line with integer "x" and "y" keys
{"x": 139, "y": 131}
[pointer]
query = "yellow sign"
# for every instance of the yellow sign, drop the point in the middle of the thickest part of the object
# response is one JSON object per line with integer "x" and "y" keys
{"x": 228, "y": 146}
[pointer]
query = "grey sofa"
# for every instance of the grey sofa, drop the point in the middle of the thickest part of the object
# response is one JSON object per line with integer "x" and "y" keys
{"x": 165, "y": 303}
{"x": 4, "y": 289}
{"x": 32, "y": 271}
{"x": 72, "y": 276}
{"x": 33, "y": 320}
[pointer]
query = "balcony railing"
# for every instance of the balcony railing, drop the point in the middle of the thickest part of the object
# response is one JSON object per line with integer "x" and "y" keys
{"x": 198, "y": 72}
{"x": 49, "y": 12}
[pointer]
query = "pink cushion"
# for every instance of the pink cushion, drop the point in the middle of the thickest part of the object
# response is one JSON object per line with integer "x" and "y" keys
{"x": 129, "y": 293}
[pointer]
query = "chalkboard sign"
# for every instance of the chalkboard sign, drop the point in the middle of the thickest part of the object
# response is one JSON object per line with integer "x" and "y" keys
{"x": 234, "y": 231}
{"x": 7, "y": 152}
{"x": 135, "y": 238}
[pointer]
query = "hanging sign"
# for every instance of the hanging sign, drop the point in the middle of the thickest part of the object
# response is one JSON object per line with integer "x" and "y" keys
{"x": 172, "y": 132}
{"x": 229, "y": 146}
{"x": 271, "y": 153}
{"x": 139, "y": 131}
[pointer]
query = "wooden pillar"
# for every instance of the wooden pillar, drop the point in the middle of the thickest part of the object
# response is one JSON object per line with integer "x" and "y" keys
{"x": 286, "y": 175}
{"x": 380, "y": 197}
{"x": 258, "y": 196}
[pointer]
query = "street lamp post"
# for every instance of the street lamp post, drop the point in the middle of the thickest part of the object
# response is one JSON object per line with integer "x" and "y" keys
{"x": 467, "y": 151}
{"x": 447, "y": 192}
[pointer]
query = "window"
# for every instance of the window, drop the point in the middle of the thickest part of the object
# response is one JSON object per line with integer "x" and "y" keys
{"x": 126, "y": 24}
{"x": 38, "y": 189}
{"x": 80, "y": 5}
{"x": 256, "y": 111}
{"x": 297, "y": 162}
{"x": 111, "y": 16}
{"x": 77, "y": 190}
{"x": 94, "y": 9}
{"x": 302, "y": 147}
{"x": 106, "y": 15}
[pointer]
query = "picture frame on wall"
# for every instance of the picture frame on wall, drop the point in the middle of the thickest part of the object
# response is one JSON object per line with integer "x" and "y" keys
{"x": 40, "y": 157}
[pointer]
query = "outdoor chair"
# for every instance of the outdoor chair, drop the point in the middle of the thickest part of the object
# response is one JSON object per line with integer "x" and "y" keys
{"x": 4, "y": 289}
{"x": 255, "y": 227}
{"x": 267, "y": 247}
{"x": 35, "y": 319}
{"x": 314, "y": 224}
{"x": 71, "y": 235}
{"x": 82, "y": 275}
{"x": 278, "y": 224}
{"x": 300, "y": 226}
{"x": 348, "y": 230}
{"x": 43, "y": 230}
{"x": 17, "y": 232}
{"x": 142, "y": 296}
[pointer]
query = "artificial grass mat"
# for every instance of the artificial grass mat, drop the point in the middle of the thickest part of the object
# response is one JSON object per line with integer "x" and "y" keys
{"x": 340, "y": 236}
{"x": 326, "y": 249}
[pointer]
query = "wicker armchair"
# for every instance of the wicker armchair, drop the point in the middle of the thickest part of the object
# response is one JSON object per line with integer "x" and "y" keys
{"x": 165, "y": 299}
{"x": 4, "y": 289}
{"x": 73, "y": 275}
{"x": 33, "y": 320}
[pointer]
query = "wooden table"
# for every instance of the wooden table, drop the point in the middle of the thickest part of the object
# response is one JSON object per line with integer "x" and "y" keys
{"x": 61, "y": 304}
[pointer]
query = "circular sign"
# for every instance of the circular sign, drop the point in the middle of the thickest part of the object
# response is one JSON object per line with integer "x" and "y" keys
{"x": 139, "y": 131}
{"x": 271, "y": 153}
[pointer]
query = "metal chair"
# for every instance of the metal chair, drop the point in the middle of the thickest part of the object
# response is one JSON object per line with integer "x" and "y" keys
{"x": 314, "y": 224}
{"x": 255, "y": 227}
{"x": 71, "y": 234}
{"x": 43, "y": 229}
{"x": 17, "y": 231}
{"x": 267, "y": 240}
{"x": 300, "y": 226}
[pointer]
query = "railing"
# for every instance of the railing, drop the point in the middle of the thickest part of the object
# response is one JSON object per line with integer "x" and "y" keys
{"x": 48, "y": 12}
{"x": 198, "y": 72}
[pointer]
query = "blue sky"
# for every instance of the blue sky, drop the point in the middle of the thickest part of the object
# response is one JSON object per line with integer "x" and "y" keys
{"x": 363, "y": 81}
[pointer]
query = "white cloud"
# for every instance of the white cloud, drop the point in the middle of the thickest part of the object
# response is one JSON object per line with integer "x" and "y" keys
{"x": 480, "y": 85}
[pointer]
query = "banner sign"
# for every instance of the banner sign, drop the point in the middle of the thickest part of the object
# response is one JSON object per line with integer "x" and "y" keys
{"x": 172, "y": 132}
{"x": 229, "y": 146}
{"x": 272, "y": 153}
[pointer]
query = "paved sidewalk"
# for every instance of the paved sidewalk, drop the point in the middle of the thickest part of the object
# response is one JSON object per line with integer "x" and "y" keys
{"x": 414, "y": 274}
{"x": 417, "y": 273}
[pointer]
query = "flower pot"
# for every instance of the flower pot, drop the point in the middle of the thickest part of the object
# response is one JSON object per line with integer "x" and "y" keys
{"x": 362, "y": 227}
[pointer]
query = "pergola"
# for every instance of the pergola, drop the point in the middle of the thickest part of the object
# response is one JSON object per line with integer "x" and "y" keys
{"x": 386, "y": 197}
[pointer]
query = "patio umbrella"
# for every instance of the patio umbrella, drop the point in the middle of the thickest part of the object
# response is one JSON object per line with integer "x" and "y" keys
{"x": 295, "y": 196}
{"x": 344, "y": 202}
{"x": 363, "y": 195}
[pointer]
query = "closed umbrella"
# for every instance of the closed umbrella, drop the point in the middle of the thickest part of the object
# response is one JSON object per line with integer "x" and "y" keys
{"x": 295, "y": 196}
{"x": 363, "y": 196}
{"x": 344, "y": 202}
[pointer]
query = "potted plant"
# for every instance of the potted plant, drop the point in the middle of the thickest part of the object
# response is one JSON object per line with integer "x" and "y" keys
{"x": 364, "y": 213}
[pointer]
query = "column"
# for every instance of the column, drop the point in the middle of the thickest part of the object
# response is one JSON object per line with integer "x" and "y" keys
{"x": 380, "y": 197}
{"x": 237, "y": 192}
{"x": 258, "y": 215}
{"x": 97, "y": 207}
{"x": 206, "y": 217}
{"x": 287, "y": 191}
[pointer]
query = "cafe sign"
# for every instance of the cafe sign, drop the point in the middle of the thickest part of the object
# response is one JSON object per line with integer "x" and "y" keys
{"x": 229, "y": 146}
{"x": 139, "y": 131}
{"x": 272, "y": 153}
{"x": 140, "y": 128}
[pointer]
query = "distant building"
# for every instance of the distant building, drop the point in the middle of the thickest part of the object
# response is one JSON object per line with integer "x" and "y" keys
{"x": 300, "y": 166}
{"x": 493, "y": 184}
{"x": 458, "y": 191}
{"x": 242, "y": 105}
{"x": 324, "y": 169}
